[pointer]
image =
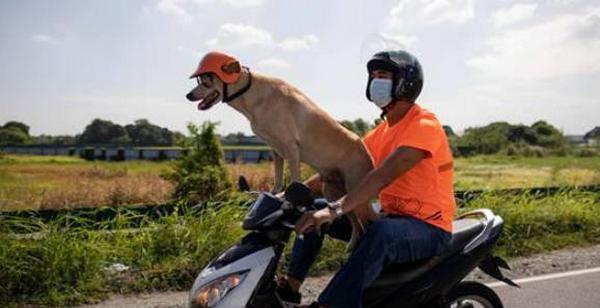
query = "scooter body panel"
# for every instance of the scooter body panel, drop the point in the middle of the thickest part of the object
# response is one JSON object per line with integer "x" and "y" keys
{"x": 254, "y": 264}
{"x": 436, "y": 282}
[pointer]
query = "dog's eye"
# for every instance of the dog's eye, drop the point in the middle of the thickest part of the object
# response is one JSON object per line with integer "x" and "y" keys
{"x": 205, "y": 81}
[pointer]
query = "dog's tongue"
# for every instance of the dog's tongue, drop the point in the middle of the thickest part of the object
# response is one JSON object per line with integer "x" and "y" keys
{"x": 201, "y": 104}
{"x": 207, "y": 101}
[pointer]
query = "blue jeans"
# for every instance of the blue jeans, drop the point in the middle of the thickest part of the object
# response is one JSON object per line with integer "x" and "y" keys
{"x": 386, "y": 241}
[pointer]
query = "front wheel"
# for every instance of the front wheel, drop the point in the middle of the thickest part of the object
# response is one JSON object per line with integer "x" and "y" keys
{"x": 470, "y": 294}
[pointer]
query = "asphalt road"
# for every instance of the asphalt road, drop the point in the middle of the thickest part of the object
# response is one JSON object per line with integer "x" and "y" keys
{"x": 572, "y": 289}
{"x": 565, "y": 290}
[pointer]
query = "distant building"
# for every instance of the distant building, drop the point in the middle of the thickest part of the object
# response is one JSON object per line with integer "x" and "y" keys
{"x": 592, "y": 136}
{"x": 575, "y": 139}
{"x": 234, "y": 154}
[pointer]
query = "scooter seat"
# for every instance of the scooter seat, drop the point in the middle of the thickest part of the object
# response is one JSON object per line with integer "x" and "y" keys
{"x": 465, "y": 230}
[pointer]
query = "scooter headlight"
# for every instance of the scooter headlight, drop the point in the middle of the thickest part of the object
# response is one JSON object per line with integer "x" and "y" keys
{"x": 211, "y": 294}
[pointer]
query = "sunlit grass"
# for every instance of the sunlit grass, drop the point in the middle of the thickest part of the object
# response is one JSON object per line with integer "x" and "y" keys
{"x": 45, "y": 182}
{"x": 51, "y": 182}
{"x": 498, "y": 172}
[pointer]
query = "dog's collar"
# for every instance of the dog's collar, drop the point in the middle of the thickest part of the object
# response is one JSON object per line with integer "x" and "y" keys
{"x": 227, "y": 98}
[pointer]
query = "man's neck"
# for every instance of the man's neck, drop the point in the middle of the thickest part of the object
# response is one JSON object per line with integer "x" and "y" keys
{"x": 398, "y": 112}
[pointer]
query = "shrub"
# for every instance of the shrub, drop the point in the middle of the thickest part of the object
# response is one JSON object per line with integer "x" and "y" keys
{"x": 88, "y": 153}
{"x": 13, "y": 136}
{"x": 525, "y": 150}
{"x": 585, "y": 152}
{"x": 513, "y": 139}
{"x": 199, "y": 174}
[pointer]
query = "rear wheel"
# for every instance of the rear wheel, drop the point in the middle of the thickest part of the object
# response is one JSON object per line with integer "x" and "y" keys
{"x": 471, "y": 294}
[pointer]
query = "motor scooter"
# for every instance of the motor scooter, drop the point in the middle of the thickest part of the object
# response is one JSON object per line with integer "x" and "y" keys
{"x": 244, "y": 275}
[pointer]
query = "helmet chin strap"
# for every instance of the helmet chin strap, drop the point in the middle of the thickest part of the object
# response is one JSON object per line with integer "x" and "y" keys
{"x": 227, "y": 98}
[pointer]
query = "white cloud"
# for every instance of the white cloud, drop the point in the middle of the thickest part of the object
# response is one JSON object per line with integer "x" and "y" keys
{"x": 517, "y": 12}
{"x": 238, "y": 4}
{"x": 42, "y": 38}
{"x": 188, "y": 51}
{"x": 181, "y": 8}
{"x": 175, "y": 8}
{"x": 564, "y": 45}
{"x": 273, "y": 63}
{"x": 241, "y": 36}
{"x": 299, "y": 43}
{"x": 399, "y": 41}
{"x": 430, "y": 12}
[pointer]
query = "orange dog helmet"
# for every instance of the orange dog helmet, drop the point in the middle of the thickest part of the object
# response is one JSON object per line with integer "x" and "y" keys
{"x": 226, "y": 67}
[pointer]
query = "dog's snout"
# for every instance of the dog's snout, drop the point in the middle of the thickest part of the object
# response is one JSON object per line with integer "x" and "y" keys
{"x": 190, "y": 96}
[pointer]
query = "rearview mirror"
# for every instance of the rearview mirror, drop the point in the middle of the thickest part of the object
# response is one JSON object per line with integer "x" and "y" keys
{"x": 243, "y": 184}
{"x": 299, "y": 195}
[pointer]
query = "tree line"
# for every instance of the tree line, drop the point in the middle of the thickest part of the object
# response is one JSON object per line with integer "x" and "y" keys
{"x": 539, "y": 139}
{"x": 99, "y": 132}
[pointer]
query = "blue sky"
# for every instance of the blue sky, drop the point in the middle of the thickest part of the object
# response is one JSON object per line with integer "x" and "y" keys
{"x": 63, "y": 63}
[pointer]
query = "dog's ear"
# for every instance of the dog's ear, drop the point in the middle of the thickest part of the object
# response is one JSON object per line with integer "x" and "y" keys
{"x": 231, "y": 68}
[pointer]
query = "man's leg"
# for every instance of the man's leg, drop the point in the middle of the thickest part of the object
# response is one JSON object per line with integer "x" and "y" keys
{"x": 386, "y": 241}
{"x": 306, "y": 249}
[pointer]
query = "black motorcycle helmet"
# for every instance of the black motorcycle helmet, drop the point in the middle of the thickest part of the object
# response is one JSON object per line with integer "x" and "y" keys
{"x": 408, "y": 74}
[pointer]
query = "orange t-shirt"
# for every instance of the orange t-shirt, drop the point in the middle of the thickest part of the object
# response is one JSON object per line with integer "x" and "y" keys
{"x": 426, "y": 191}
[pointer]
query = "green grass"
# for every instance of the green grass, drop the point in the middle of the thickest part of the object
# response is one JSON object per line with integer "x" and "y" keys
{"x": 550, "y": 161}
{"x": 535, "y": 225}
{"x": 33, "y": 182}
{"x": 247, "y": 147}
{"x": 497, "y": 172}
{"x": 65, "y": 265}
{"x": 42, "y": 161}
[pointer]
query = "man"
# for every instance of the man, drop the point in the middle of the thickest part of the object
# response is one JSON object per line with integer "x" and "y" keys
{"x": 413, "y": 177}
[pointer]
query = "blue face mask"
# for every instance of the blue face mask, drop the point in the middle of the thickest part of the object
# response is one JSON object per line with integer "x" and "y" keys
{"x": 381, "y": 91}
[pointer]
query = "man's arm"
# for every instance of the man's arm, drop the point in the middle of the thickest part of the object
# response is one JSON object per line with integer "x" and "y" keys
{"x": 400, "y": 161}
{"x": 377, "y": 179}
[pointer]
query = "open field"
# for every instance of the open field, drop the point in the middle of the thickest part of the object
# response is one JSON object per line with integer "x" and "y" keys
{"x": 43, "y": 182}
{"x": 492, "y": 172}
{"x": 49, "y": 182}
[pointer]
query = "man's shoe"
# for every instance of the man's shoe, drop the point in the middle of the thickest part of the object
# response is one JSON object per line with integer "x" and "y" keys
{"x": 286, "y": 295}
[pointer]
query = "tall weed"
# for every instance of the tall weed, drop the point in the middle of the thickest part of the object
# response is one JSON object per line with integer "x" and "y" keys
{"x": 61, "y": 263}
{"x": 534, "y": 224}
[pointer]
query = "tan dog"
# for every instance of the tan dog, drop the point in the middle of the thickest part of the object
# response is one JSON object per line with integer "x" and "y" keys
{"x": 296, "y": 128}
